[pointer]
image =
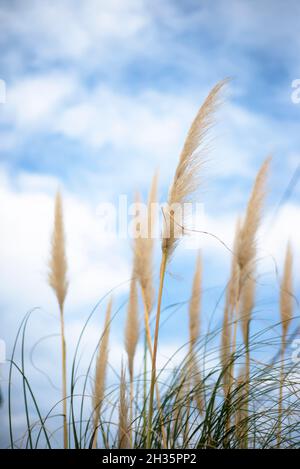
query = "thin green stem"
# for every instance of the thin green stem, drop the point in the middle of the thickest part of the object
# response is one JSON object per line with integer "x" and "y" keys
{"x": 145, "y": 385}
{"x": 155, "y": 345}
{"x": 280, "y": 395}
{"x": 64, "y": 377}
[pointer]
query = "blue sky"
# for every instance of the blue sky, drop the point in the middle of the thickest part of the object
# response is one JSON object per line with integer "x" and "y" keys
{"x": 100, "y": 95}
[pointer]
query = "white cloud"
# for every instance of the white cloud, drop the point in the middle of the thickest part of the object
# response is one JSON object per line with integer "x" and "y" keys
{"x": 146, "y": 122}
{"x": 32, "y": 102}
{"x": 143, "y": 131}
{"x": 150, "y": 122}
{"x": 69, "y": 31}
{"x": 147, "y": 128}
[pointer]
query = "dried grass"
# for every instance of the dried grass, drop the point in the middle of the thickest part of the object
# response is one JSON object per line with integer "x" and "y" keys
{"x": 187, "y": 178}
{"x": 132, "y": 327}
{"x": 183, "y": 188}
{"x": 246, "y": 249}
{"x": 58, "y": 264}
{"x": 195, "y": 304}
{"x": 230, "y": 303}
{"x": 57, "y": 278}
{"x": 100, "y": 374}
{"x": 144, "y": 248}
{"x": 286, "y": 293}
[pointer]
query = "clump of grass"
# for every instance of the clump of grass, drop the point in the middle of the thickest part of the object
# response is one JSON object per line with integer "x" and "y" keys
{"x": 203, "y": 402}
{"x": 246, "y": 259}
{"x": 246, "y": 245}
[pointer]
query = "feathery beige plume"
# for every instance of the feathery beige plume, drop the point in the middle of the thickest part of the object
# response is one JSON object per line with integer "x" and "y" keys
{"x": 124, "y": 434}
{"x": 247, "y": 304}
{"x": 57, "y": 278}
{"x": 194, "y": 309}
{"x": 230, "y": 302}
{"x": 188, "y": 173}
{"x": 100, "y": 374}
{"x": 232, "y": 289}
{"x": 132, "y": 326}
{"x": 246, "y": 249}
{"x": 58, "y": 264}
{"x": 246, "y": 258}
{"x": 143, "y": 271}
{"x": 144, "y": 247}
{"x": 286, "y": 292}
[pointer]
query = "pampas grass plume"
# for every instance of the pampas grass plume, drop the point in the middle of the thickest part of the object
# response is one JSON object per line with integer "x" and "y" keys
{"x": 286, "y": 292}
{"x": 57, "y": 278}
{"x": 187, "y": 176}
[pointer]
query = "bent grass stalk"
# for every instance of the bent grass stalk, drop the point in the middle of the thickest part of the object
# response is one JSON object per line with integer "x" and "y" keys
{"x": 143, "y": 269}
{"x": 246, "y": 246}
{"x": 184, "y": 187}
{"x": 246, "y": 256}
{"x": 148, "y": 344}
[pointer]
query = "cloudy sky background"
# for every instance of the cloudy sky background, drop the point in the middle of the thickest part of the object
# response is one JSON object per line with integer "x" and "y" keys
{"x": 101, "y": 94}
